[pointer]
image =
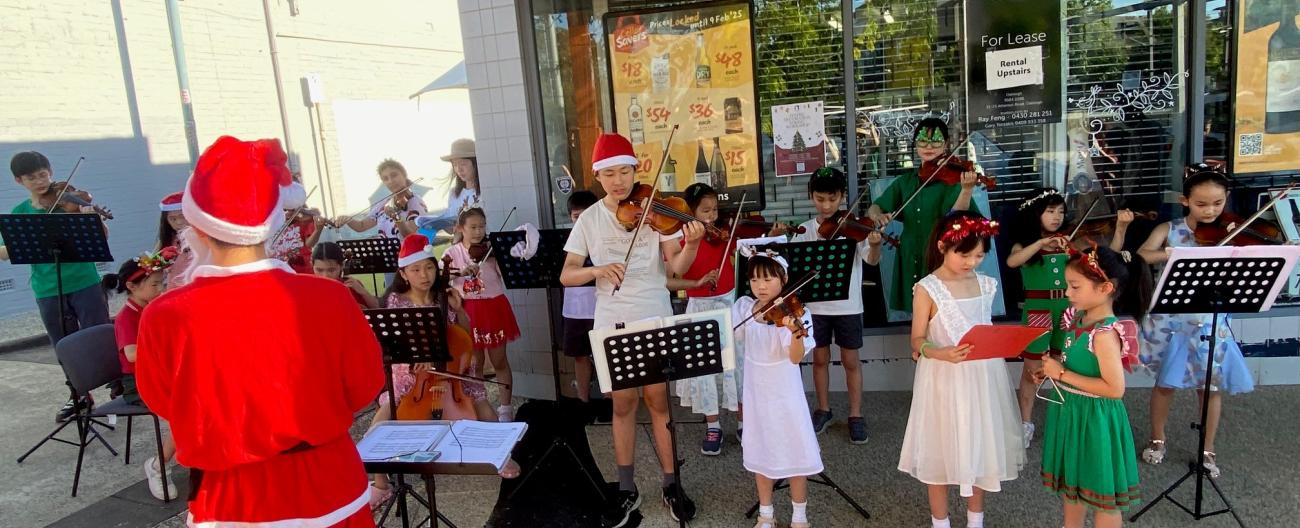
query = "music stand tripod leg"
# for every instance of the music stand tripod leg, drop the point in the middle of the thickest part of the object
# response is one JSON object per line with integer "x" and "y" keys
{"x": 672, "y": 437}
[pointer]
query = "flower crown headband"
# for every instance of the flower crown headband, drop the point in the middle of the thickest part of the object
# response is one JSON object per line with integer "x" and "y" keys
{"x": 1046, "y": 192}
{"x": 150, "y": 263}
{"x": 969, "y": 226}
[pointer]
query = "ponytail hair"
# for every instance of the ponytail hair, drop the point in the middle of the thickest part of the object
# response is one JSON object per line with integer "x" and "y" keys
{"x": 116, "y": 282}
{"x": 1127, "y": 272}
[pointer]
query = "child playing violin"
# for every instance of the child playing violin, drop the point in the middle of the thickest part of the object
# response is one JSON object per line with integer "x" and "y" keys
{"x": 838, "y": 322}
{"x": 930, "y": 204}
{"x": 327, "y": 260}
{"x": 1040, "y": 254}
{"x": 83, "y": 302}
{"x": 781, "y": 443}
{"x": 710, "y": 284}
{"x": 1173, "y": 347}
{"x": 491, "y": 320}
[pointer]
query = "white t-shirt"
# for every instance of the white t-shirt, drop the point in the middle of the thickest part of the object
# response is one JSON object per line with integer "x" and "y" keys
{"x": 597, "y": 235}
{"x": 458, "y": 201}
{"x": 852, "y": 305}
{"x": 579, "y": 302}
{"x": 388, "y": 228}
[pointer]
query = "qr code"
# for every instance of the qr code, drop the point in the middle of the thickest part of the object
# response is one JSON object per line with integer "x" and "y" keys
{"x": 1251, "y": 144}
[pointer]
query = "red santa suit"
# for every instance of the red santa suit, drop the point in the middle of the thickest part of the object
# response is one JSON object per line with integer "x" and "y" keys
{"x": 259, "y": 370}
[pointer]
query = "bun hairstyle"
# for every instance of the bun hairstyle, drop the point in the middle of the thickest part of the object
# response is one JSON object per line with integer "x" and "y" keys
{"x": 1198, "y": 174}
{"x": 1029, "y": 227}
{"x": 1128, "y": 272}
{"x": 116, "y": 282}
{"x": 960, "y": 231}
{"x": 697, "y": 192}
{"x": 139, "y": 268}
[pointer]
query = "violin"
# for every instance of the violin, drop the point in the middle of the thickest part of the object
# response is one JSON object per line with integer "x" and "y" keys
{"x": 1232, "y": 230}
{"x": 666, "y": 215}
{"x": 479, "y": 251}
{"x": 754, "y": 226}
{"x": 396, "y": 205}
{"x": 949, "y": 171}
{"x": 854, "y": 227}
{"x": 1101, "y": 226}
{"x": 62, "y": 196}
{"x": 782, "y": 307}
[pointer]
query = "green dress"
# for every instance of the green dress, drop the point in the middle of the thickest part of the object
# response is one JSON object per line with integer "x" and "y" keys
{"x": 923, "y": 212}
{"x": 1088, "y": 453}
{"x": 1047, "y": 275}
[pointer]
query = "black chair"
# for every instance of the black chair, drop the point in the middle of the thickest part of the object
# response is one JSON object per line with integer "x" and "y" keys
{"x": 89, "y": 358}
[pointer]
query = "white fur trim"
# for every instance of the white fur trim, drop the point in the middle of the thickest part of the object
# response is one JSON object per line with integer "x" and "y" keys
{"x": 614, "y": 161}
{"x": 210, "y": 270}
{"x": 324, "y": 521}
{"x": 167, "y": 208}
{"x": 224, "y": 231}
{"x": 414, "y": 257}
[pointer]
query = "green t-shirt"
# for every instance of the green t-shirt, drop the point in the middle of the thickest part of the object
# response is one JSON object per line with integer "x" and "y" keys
{"x": 76, "y": 276}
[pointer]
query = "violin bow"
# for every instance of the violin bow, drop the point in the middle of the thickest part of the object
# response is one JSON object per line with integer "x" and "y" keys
{"x": 503, "y": 226}
{"x": 283, "y": 228}
{"x": 1245, "y": 224}
{"x": 780, "y": 298}
{"x": 379, "y": 201}
{"x": 66, "y": 182}
{"x": 852, "y": 207}
{"x": 735, "y": 222}
{"x": 463, "y": 377}
{"x": 1082, "y": 220}
{"x": 645, "y": 206}
{"x": 901, "y": 208}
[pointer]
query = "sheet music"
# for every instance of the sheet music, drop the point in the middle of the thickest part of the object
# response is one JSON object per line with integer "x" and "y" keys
{"x": 390, "y": 440}
{"x": 474, "y": 442}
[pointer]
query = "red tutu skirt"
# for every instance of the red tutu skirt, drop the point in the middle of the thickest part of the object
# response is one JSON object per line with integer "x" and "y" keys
{"x": 492, "y": 322}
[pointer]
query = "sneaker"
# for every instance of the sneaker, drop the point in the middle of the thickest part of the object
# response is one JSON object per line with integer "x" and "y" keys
{"x": 821, "y": 420}
{"x": 154, "y": 474}
{"x": 1029, "y": 432}
{"x": 680, "y": 507}
{"x": 622, "y": 504}
{"x": 505, "y": 414}
{"x": 71, "y": 407}
{"x": 712, "y": 442}
{"x": 1211, "y": 465}
{"x": 1154, "y": 453}
{"x": 857, "y": 430}
{"x": 765, "y": 522}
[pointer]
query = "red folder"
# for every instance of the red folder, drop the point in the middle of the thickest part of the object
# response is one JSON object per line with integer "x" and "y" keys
{"x": 999, "y": 341}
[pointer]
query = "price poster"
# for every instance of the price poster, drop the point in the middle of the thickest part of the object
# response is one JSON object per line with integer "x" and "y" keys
{"x": 799, "y": 138}
{"x": 692, "y": 67}
{"x": 1266, "y": 108}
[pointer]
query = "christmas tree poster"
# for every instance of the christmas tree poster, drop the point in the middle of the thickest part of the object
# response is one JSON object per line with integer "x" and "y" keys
{"x": 799, "y": 135}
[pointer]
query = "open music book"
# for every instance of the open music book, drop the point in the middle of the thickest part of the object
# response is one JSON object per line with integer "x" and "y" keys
{"x": 458, "y": 442}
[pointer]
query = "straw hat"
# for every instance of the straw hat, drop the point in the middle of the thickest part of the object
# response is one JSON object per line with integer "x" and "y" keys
{"x": 461, "y": 149}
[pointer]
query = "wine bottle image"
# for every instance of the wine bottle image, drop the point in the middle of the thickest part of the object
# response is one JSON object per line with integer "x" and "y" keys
{"x": 717, "y": 168}
{"x": 732, "y": 113}
{"x": 702, "y": 172}
{"x": 703, "y": 69}
{"x": 636, "y": 123}
{"x": 668, "y": 178}
{"x": 1282, "y": 102}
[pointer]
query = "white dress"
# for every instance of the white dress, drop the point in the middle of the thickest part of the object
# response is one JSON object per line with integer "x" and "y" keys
{"x": 779, "y": 441}
{"x": 964, "y": 427}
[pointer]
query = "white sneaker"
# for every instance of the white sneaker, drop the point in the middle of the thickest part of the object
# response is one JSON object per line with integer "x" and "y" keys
{"x": 154, "y": 475}
{"x": 1029, "y": 432}
{"x": 505, "y": 414}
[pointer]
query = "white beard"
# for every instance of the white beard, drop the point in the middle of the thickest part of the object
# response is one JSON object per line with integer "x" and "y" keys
{"x": 200, "y": 253}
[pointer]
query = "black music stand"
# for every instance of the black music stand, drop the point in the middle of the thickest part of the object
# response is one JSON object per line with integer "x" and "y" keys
{"x": 832, "y": 258}
{"x": 540, "y": 271}
{"x": 370, "y": 256}
{"x": 57, "y": 239}
{"x": 680, "y": 351}
{"x": 408, "y": 335}
{"x": 1216, "y": 280}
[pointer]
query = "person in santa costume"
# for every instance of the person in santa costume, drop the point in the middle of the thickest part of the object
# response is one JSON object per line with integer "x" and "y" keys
{"x": 642, "y": 282}
{"x": 258, "y": 369}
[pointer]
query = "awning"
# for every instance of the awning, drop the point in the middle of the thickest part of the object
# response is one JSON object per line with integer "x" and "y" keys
{"x": 454, "y": 78}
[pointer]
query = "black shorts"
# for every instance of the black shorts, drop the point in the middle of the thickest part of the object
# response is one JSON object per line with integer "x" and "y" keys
{"x": 843, "y": 330}
{"x": 575, "y": 341}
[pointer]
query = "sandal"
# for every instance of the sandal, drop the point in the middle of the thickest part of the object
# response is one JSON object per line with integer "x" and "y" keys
{"x": 510, "y": 470}
{"x": 379, "y": 496}
{"x": 765, "y": 522}
{"x": 1154, "y": 453}
{"x": 1211, "y": 464}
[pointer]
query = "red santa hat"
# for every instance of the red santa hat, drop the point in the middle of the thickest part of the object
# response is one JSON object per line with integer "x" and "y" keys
{"x": 415, "y": 247}
{"x": 239, "y": 189}
{"x": 171, "y": 202}
{"x": 612, "y": 150}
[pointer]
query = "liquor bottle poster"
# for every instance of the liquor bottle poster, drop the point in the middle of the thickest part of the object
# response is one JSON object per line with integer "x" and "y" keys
{"x": 1013, "y": 53}
{"x": 799, "y": 138}
{"x": 692, "y": 67}
{"x": 1266, "y": 135}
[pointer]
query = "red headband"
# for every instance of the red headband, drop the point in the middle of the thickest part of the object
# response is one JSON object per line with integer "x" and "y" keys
{"x": 1089, "y": 260}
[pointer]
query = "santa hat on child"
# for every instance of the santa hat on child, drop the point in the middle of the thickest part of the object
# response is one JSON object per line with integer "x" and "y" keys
{"x": 171, "y": 202}
{"x": 415, "y": 247}
{"x": 612, "y": 150}
{"x": 239, "y": 190}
